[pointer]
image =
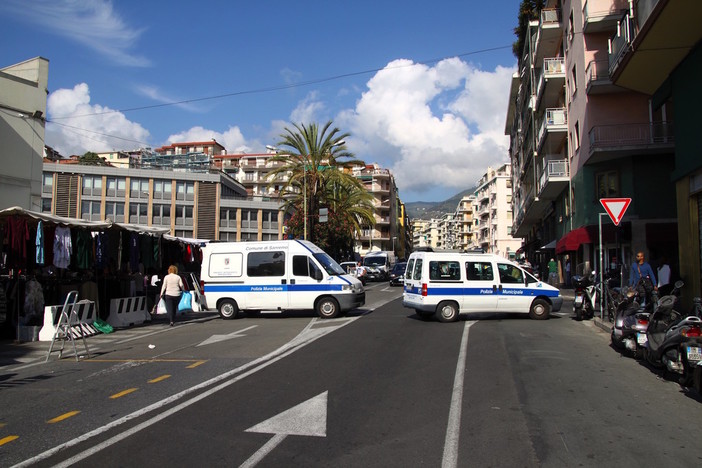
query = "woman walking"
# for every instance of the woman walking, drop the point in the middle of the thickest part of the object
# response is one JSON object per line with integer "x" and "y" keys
{"x": 171, "y": 291}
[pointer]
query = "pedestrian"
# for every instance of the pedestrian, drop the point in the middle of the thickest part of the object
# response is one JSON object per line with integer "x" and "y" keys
{"x": 552, "y": 272}
{"x": 642, "y": 277}
{"x": 567, "y": 272}
{"x": 171, "y": 291}
{"x": 664, "y": 286}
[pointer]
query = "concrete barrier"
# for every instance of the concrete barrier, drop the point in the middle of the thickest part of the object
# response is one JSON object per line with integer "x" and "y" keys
{"x": 128, "y": 311}
{"x": 85, "y": 313}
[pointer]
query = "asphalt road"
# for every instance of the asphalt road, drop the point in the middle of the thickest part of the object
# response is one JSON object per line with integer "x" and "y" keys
{"x": 378, "y": 388}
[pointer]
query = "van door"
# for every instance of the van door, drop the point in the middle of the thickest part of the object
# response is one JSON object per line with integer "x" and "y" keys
{"x": 481, "y": 287}
{"x": 305, "y": 282}
{"x": 266, "y": 287}
{"x": 513, "y": 295}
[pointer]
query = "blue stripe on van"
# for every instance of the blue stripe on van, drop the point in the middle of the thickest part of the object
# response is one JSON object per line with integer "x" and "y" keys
{"x": 482, "y": 291}
{"x": 262, "y": 288}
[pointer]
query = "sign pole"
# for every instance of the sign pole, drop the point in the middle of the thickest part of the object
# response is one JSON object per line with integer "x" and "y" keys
{"x": 603, "y": 296}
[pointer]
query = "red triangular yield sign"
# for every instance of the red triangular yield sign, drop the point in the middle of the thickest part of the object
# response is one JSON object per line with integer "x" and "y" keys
{"x": 615, "y": 207}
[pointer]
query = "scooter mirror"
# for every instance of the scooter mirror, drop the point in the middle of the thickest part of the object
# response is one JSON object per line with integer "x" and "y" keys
{"x": 679, "y": 284}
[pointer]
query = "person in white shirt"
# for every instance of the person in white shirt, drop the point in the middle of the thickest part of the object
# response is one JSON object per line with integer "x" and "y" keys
{"x": 171, "y": 291}
{"x": 664, "y": 277}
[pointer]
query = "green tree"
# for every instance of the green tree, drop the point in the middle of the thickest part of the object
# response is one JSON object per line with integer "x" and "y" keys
{"x": 91, "y": 159}
{"x": 529, "y": 10}
{"x": 312, "y": 161}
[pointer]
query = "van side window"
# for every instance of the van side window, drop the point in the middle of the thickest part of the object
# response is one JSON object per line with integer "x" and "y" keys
{"x": 300, "y": 265}
{"x": 444, "y": 271}
{"x": 417, "y": 270}
{"x": 266, "y": 264}
{"x": 409, "y": 269}
{"x": 510, "y": 274}
{"x": 479, "y": 271}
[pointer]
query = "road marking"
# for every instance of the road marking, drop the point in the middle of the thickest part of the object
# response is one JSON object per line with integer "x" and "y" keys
{"x": 195, "y": 364}
{"x": 158, "y": 379}
{"x": 144, "y": 360}
{"x": 62, "y": 417}
{"x": 453, "y": 431}
{"x": 309, "y": 418}
{"x": 218, "y": 338}
{"x": 123, "y": 392}
{"x": 7, "y": 439}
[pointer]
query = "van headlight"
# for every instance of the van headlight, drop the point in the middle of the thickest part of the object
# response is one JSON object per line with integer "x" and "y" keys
{"x": 347, "y": 287}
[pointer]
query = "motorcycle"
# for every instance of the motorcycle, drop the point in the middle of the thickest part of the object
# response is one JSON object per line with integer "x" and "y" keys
{"x": 674, "y": 341}
{"x": 586, "y": 296}
{"x": 631, "y": 320}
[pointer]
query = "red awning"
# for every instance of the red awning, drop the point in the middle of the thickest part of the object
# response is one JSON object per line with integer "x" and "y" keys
{"x": 571, "y": 241}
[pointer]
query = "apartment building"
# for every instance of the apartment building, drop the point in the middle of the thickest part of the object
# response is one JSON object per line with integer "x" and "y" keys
{"x": 23, "y": 89}
{"x": 492, "y": 213}
{"x": 576, "y": 136}
{"x": 380, "y": 183}
{"x": 190, "y": 203}
{"x": 464, "y": 222}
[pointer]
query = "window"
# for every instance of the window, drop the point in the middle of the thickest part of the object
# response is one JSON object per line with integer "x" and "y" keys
{"x": 185, "y": 191}
{"x": 510, "y": 274}
{"x": 139, "y": 189}
{"x": 90, "y": 210}
{"x": 184, "y": 216}
{"x": 116, "y": 187}
{"x": 161, "y": 214}
{"x": 304, "y": 266}
{"x": 115, "y": 211}
{"x": 607, "y": 184}
{"x": 138, "y": 213}
{"x": 573, "y": 81}
{"x": 571, "y": 32}
{"x": 162, "y": 189}
{"x": 444, "y": 271}
{"x": 576, "y": 142}
{"x": 227, "y": 217}
{"x": 266, "y": 264}
{"x": 249, "y": 219}
{"x": 417, "y": 270}
{"x": 479, "y": 271}
{"x": 47, "y": 183}
{"x": 92, "y": 185}
{"x": 46, "y": 205}
{"x": 270, "y": 219}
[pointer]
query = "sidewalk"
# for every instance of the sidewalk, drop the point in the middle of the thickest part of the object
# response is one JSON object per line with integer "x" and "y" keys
{"x": 14, "y": 353}
{"x": 569, "y": 294}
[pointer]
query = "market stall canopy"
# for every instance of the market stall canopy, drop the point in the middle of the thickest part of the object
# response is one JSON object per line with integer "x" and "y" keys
{"x": 186, "y": 240}
{"x": 17, "y": 211}
{"x": 551, "y": 245}
{"x": 571, "y": 241}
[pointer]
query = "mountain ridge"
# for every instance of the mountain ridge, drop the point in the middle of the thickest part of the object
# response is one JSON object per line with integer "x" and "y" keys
{"x": 429, "y": 210}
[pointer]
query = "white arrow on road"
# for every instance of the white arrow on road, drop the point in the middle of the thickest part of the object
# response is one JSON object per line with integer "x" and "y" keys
{"x": 306, "y": 419}
{"x": 218, "y": 338}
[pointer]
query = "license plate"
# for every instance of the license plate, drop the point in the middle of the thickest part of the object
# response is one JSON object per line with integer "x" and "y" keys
{"x": 578, "y": 300}
{"x": 641, "y": 339}
{"x": 694, "y": 354}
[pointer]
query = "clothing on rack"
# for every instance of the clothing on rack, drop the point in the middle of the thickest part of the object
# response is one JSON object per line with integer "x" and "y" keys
{"x": 39, "y": 242}
{"x": 63, "y": 247}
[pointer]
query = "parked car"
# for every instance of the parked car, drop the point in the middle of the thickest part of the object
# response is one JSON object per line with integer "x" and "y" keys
{"x": 397, "y": 274}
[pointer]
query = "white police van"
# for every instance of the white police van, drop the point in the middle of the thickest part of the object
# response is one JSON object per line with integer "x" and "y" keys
{"x": 446, "y": 284}
{"x": 276, "y": 276}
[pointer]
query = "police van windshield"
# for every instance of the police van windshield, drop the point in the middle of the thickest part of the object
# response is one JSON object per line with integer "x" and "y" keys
{"x": 374, "y": 261}
{"x": 329, "y": 264}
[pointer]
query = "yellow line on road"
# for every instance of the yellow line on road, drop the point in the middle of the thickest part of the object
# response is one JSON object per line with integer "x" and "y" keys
{"x": 124, "y": 392}
{"x": 7, "y": 439}
{"x": 195, "y": 364}
{"x": 158, "y": 379}
{"x": 62, "y": 417}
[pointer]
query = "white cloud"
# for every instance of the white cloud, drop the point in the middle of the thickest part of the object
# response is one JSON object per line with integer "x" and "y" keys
{"x": 394, "y": 123}
{"x": 76, "y": 126}
{"x": 92, "y": 23}
{"x": 308, "y": 110}
{"x": 232, "y": 139}
{"x": 153, "y": 92}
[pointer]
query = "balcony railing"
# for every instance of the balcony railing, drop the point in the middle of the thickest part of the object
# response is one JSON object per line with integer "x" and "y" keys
{"x": 619, "y": 43}
{"x": 597, "y": 70}
{"x": 607, "y": 136}
{"x": 555, "y": 117}
{"x": 554, "y": 168}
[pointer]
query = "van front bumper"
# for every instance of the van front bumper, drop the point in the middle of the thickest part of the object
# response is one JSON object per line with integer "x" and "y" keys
{"x": 351, "y": 301}
{"x": 556, "y": 302}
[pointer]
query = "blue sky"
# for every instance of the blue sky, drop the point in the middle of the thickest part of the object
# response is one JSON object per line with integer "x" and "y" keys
{"x": 421, "y": 86}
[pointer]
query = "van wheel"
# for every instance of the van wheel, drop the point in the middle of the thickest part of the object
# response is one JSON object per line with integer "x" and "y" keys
{"x": 228, "y": 309}
{"x": 447, "y": 312}
{"x": 540, "y": 310}
{"x": 327, "y": 307}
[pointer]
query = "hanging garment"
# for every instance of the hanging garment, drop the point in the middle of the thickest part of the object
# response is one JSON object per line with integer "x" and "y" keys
{"x": 134, "y": 252}
{"x": 33, "y": 301}
{"x": 18, "y": 235}
{"x": 40, "y": 243}
{"x": 63, "y": 247}
{"x": 101, "y": 249}
{"x": 84, "y": 250}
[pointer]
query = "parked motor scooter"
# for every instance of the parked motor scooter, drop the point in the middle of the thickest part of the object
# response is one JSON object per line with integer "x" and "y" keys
{"x": 631, "y": 320}
{"x": 585, "y": 296}
{"x": 674, "y": 341}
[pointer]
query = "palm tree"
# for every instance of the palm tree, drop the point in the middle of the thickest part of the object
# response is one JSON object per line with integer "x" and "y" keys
{"x": 309, "y": 158}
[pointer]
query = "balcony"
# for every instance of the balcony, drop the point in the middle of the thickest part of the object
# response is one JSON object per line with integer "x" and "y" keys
{"x": 553, "y": 128}
{"x": 597, "y": 79}
{"x": 649, "y": 45}
{"x": 615, "y": 141}
{"x": 603, "y": 15}
{"x": 548, "y": 37}
{"x": 530, "y": 212}
{"x": 550, "y": 82}
{"x": 553, "y": 179}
